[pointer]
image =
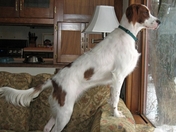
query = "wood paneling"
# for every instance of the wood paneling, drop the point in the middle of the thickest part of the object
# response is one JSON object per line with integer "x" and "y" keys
{"x": 77, "y": 11}
{"x": 37, "y": 12}
{"x": 85, "y": 7}
{"x": 70, "y": 41}
{"x": 71, "y": 45}
{"x": 26, "y": 21}
{"x": 76, "y": 7}
{"x": 18, "y": 9}
{"x": 118, "y": 5}
{"x": 135, "y": 81}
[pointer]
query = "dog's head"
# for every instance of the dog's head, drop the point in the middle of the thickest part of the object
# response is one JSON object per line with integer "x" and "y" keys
{"x": 138, "y": 13}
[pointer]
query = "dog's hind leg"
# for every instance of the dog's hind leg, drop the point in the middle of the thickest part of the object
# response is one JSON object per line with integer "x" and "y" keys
{"x": 63, "y": 116}
{"x": 49, "y": 125}
{"x": 115, "y": 93}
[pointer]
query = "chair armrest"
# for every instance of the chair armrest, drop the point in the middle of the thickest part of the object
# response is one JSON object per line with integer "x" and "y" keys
{"x": 104, "y": 121}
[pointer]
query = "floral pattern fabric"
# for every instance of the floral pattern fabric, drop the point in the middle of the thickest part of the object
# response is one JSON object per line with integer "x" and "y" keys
{"x": 14, "y": 117}
{"x": 109, "y": 123}
{"x": 86, "y": 107}
{"x": 144, "y": 128}
{"x": 91, "y": 112}
{"x": 39, "y": 108}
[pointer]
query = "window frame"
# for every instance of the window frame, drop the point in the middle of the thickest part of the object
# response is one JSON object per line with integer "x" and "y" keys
{"x": 136, "y": 90}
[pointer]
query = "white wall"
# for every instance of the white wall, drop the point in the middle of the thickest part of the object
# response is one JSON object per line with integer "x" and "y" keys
{"x": 30, "y": 70}
{"x": 21, "y": 32}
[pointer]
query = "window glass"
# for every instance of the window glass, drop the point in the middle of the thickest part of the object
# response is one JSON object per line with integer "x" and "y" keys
{"x": 37, "y": 3}
{"x": 7, "y": 3}
{"x": 160, "y": 106}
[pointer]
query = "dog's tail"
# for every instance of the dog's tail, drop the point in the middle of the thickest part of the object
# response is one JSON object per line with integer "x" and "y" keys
{"x": 23, "y": 97}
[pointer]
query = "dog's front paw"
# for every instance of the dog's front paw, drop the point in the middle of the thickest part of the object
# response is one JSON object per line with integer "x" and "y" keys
{"x": 118, "y": 113}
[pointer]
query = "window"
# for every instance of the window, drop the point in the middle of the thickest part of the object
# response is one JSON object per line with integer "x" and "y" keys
{"x": 160, "y": 105}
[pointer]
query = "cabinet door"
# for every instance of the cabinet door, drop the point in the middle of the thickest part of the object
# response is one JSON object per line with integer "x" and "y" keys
{"x": 9, "y": 8}
{"x": 83, "y": 7}
{"x": 70, "y": 41}
{"x": 37, "y": 8}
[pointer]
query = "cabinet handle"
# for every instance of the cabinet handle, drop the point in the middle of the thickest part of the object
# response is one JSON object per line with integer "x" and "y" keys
{"x": 87, "y": 47}
{"x": 16, "y": 5}
{"x": 82, "y": 46}
{"x": 55, "y": 9}
{"x": 21, "y": 5}
{"x": 55, "y": 56}
{"x": 82, "y": 43}
{"x": 56, "y": 27}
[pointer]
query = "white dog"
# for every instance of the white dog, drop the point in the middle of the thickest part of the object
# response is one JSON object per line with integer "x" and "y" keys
{"x": 108, "y": 63}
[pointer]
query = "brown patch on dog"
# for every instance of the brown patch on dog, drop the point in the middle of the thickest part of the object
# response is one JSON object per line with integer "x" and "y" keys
{"x": 88, "y": 73}
{"x": 66, "y": 66}
{"x": 58, "y": 93}
{"x": 137, "y": 13}
{"x": 38, "y": 87}
{"x": 56, "y": 71}
{"x": 69, "y": 65}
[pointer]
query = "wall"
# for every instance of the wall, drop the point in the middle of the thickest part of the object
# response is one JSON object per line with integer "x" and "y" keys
{"x": 21, "y": 32}
{"x": 30, "y": 70}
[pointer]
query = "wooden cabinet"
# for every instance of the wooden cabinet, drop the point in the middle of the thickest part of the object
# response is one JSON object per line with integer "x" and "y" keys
{"x": 27, "y": 8}
{"x": 9, "y": 8}
{"x": 27, "y": 12}
{"x": 69, "y": 18}
{"x": 84, "y": 7}
{"x": 37, "y": 8}
{"x": 69, "y": 22}
{"x": 71, "y": 41}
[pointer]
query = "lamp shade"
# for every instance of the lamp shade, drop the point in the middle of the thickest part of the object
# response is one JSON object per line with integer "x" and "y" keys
{"x": 104, "y": 20}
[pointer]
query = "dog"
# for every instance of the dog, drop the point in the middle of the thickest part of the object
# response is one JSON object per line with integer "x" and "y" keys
{"x": 107, "y": 63}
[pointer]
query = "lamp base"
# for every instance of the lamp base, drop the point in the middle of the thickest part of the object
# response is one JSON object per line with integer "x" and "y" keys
{"x": 99, "y": 40}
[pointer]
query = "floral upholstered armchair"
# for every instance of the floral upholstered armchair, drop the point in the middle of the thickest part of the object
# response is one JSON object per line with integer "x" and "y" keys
{"x": 91, "y": 112}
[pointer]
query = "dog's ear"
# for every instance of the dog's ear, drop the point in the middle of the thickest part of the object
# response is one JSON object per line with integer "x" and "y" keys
{"x": 129, "y": 13}
{"x": 132, "y": 13}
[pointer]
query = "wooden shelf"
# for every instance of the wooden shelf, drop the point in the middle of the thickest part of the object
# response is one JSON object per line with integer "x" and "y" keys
{"x": 20, "y": 60}
{"x": 38, "y": 49}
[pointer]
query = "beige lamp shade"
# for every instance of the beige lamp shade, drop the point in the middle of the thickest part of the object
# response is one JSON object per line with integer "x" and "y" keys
{"x": 104, "y": 20}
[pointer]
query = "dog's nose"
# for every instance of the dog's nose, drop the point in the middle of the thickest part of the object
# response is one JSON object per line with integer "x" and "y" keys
{"x": 158, "y": 21}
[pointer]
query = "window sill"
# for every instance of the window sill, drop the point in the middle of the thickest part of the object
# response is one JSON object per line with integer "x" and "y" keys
{"x": 140, "y": 119}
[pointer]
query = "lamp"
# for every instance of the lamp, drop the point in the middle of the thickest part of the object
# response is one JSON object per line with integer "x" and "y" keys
{"x": 103, "y": 21}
